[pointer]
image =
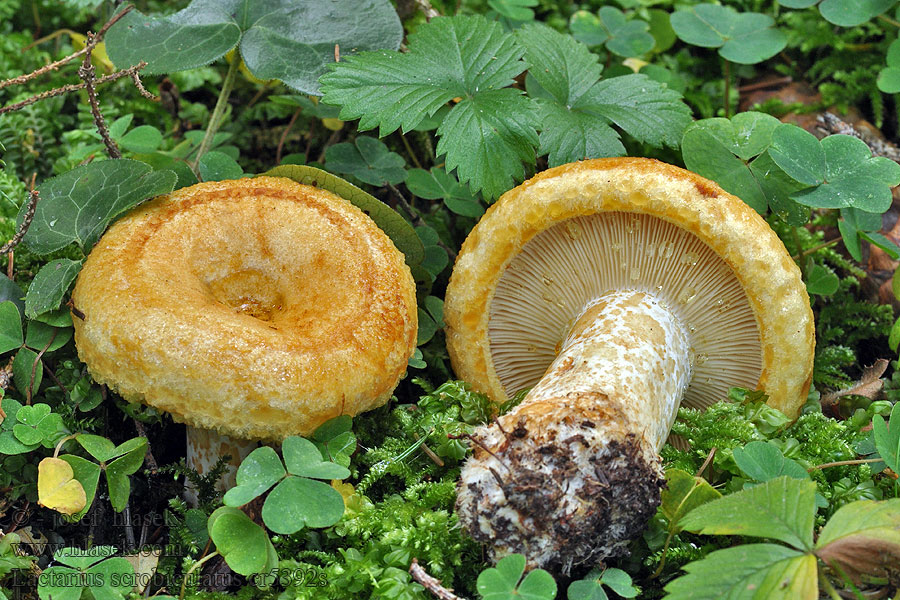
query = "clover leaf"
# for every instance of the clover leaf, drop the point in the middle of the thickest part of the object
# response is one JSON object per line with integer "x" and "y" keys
{"x": 744, "y": 38}
{"x": 335, "y": 440}
{"x": 612, "y": 28}
{"x": 278, "y": 39}
{"x": 505, "y": 582}
{"x": 846, "y": 13}
{"x": 820, "y": 281}
{"x": 37, "y": 425}
{"x": 244, "y": 544}
{"x": 368, "y": 159}
{"x": 106, "y": 578}
{"x": 591, "y": 587}
{"x": 437, "y": 183}
{"x": 258, "y": 472}
{"x": 889, "y": 77}
{"x": 9, "y": 443}
{"x": 57, "y": 487}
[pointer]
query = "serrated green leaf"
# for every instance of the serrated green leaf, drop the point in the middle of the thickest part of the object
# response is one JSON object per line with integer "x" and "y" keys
{"x": 486, "y": 136}
{"x": 748, "y": 572}
{"x": 298, "y": 502}
{"x": 242, "y": 543}
{"x": 259, "y": 471}
{"x": 396, "y": 227}
{"x": 850, "y": 13}
{"x": 50, "y": 286}
{"x": 887, "y": 438}
{"x": 745, "y": 38}
{"x": 10, "y": 327}
{"x": 78, "y": 205}
{"x": 782, "y": 509}
{"x": 368, "y": 159}
{"x": 863, "y": 538}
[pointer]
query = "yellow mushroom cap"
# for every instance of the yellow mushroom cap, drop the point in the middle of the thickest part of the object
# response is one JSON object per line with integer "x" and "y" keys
{"x": 258, "y": 307}
{"x": 693, "y": 223}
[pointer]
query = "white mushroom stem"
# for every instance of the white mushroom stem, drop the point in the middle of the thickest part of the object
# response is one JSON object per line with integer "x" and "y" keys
{"x": 572, "y": 474}
{"x": 204, "y": 449}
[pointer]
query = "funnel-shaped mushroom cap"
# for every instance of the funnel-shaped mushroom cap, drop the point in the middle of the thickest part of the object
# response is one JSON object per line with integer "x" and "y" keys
{"x": 258, "y": 307}
{"x": 546, "y": 249}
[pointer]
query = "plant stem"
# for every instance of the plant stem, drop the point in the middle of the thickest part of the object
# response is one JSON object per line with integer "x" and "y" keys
{"x": 829, "y": 589}
{"x": 842, "y": 463}
{"x": 199, "y": 563}
{"x": 816, "y": 248}
{"x": 889, "y": 20}
{"x": 219, "y": 110}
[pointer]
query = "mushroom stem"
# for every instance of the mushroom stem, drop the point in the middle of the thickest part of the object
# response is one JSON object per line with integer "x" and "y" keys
{"x": 204, "y": 448}
{"x": 572, "y": 474}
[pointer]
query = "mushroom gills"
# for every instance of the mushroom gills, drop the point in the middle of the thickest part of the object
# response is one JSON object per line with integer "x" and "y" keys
{"x": 572, "y": 474}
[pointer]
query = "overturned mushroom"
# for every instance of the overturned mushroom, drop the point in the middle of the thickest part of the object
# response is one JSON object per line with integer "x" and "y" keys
{"x": 258, "y": 308}
{"x": 615, "y": 290}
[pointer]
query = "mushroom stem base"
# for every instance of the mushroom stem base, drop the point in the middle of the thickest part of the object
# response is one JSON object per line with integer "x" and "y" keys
{"x": 204, "y": 449}
{"x": 572, "y": 474}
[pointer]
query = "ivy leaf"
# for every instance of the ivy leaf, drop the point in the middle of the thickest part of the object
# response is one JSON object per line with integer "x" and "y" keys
{"x": 783, "y": 509}
{"x": 502, "y": 582}
{"x": 50, "y": 286}
{"x": 748, "y": 572}
{"x": 396, "y": 227}
{"x": 576, "y": 108}
{"x": 863, "y": 538}
{"x": 887, "y": 438}
{"x": 368, "y": 159}
{"x": 259, "y": 471}
{"x": 78, "y": 205}
{"x": 486, "y": 136}
{"x": 611, "y": 27}
{"x": 744, "y": 38}
{"x": 279, "y": 39}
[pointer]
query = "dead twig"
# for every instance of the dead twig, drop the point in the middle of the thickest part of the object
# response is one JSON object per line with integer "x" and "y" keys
{"x": 86, "y": 72}
{"x": 88, "y": 48}
{"x": 74, "y": 87}
{"x": 26, "y": 222}
{"x": 430, "y": 583}
{"x": 285, "y": 133}
{"x": 829, "y": 123}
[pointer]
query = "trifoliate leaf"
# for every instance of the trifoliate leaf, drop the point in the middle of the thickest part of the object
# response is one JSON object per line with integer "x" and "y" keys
{"x": 57, "y": 487}
{"x": 515, "y": 10}
{"x": 117, "y": 473}
{"x": 610, "y": 26}
{"x": 437, "y": 183}
{"x": 486, "y": 136}
{"x": 50, "y": 286}
{"x": 821, "y": 281}
{"x": 502, "y": 582}
{"x": 783, "y": 509}
{"x": 298, "y": 502}
{"x": 259, "y": 471}
{"x": 243, "y": 543}
{"x": 852, "y": 177}
{"x": 889, "y": 77}
{"x": 863, "y": 538}
{"x": 83, "y": 559}
{"x": 799, "y": 154}
{"x": 748, "y": 572}
{"x": 88, "y": 474}
{"x": 396, "y": 227}
{"x": 762, "y": 461}
{"x": 301, "y": 457}
{"x": 279, "y": 39}
{"x": 78, "y": 205}
{"x": 850, "y": 13}
{"x": 368, "y": 159}
{"x": 745, "y": 38}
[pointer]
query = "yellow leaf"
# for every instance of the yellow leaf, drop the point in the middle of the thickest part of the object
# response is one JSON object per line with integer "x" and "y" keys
{"x": 98, "y": 54}
{"x": 229, "y": 56}
{"x": 333, "y": 124}
{"x": 635, "y": 64}
{"x": 57, "y": 487}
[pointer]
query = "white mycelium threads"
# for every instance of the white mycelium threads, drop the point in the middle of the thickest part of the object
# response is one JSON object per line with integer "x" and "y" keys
{"x": 572, "y": 473}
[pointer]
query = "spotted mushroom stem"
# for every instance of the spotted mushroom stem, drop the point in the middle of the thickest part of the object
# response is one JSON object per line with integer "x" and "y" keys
{"x": 572, "y": 474}
{"x": 204, "y": 448}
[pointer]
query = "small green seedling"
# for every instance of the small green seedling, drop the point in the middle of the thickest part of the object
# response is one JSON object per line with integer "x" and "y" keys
{"x": 591, "y": 587}
{"x": 505, "y": 581}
